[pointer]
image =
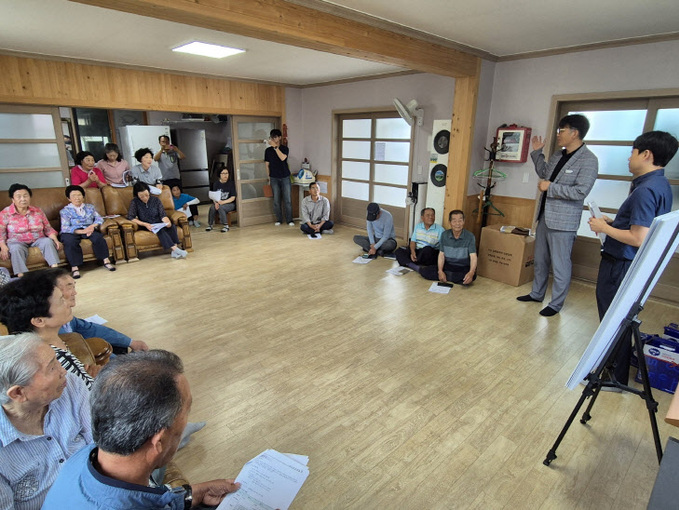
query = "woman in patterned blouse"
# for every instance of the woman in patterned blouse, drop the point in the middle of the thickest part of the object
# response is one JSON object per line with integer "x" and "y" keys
{"x": 23, "y": 226}
{"x": 81, "y": 221}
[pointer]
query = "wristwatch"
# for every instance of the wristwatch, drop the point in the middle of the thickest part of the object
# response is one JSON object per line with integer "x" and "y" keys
{"x": 188, "y": 494}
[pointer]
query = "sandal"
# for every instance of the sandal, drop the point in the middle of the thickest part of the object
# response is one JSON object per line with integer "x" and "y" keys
{"x": 75, "y": 274}
{"x": 110, "y": 267}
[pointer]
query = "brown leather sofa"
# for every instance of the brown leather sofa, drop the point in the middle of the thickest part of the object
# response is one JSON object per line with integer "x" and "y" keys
{"x": 117, "y": 201}
{"x": 53, "y": 200}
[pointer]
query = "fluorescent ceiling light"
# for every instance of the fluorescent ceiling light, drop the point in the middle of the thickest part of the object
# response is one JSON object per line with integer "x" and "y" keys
{"x": 207, "y": 50}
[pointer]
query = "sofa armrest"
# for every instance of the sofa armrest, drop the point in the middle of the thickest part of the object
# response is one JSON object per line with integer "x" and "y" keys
{"x": 178, "y": 218}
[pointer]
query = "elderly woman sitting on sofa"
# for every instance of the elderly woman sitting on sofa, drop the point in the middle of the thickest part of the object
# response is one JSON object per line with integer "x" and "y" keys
{"x": 23, "y": 226}
{"x": 81, "y": 221}
{"x": 147, "y": 211}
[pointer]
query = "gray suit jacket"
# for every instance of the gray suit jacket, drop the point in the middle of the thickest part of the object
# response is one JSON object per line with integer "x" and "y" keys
{"x": 565, "y": 196}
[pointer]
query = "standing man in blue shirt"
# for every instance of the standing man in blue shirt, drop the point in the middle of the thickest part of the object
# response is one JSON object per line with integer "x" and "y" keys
{"x": 650, "y": 196}
{"x": 381, "y": 238}
{"x": 565, "y": 180}
{"x": 276, "y": 159}
{"x": 423, "y": 249}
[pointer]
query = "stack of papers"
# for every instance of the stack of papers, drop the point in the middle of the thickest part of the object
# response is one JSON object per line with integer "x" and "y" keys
{"x": 399, "y": 270}
{"x": 269, "y": 481}
{"x": 439, "y": 289}
{"x": 362, "y": 260}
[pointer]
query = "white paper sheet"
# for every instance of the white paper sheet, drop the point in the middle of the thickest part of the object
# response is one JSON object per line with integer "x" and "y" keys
{"x": 215, "y": 196}
{"x": 399, "y": 270}
{"x": 361, "y": 260}
{"x": 155, "y": 227}
{"x": 318, "y": 236}
{"x": 438, "y": 289}
{"x": 154, "y": 190}
{"x": 595, "y": 212}
{"x": 97, "y": 320}
{"x": 269, "y": 481}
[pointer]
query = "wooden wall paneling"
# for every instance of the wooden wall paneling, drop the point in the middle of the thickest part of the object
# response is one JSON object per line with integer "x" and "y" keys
{"x": 461, "y": 136}
{"x": 288, "y": 23}
{"x": 51, "y": 82}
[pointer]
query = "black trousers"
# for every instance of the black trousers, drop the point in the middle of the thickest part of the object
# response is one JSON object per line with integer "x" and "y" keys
{"x": 611, "y": 273}
{"x": 454, "y": 273}
{"x": 168, "y": 236}
{"x": 426, "y": 256}
{"x": 308, "y": 230}
{"x": 73, "y": 251}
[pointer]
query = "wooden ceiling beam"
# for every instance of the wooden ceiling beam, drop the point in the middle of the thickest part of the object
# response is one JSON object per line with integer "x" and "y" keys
{"x": 287, "y": 23}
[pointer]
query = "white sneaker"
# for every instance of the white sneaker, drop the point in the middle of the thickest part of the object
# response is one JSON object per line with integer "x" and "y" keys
{"x": 225, "y": 228}
{"x": 277, "y": 224}
{"x": 176, "y": 254}
{"x": 196, "y": 223}
{"x": 329, "y": 231}
{"x": 291, "y": 224}
{"x": 182, "y": 253}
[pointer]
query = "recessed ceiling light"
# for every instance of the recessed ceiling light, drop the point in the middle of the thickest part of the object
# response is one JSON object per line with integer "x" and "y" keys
{"x": 207, "y": 50}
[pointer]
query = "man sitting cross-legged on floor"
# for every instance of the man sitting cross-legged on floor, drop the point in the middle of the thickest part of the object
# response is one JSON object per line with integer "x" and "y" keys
{"x": 316, "y": 213}
{"x": 457, "y": 258}
{"x": 152, "y": 399}
{"x": 381, "y": 238}
{"x": 423, "y": 249}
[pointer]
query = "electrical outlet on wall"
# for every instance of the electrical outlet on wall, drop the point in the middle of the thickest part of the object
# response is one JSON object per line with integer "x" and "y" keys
{"x": 526, "y": 175}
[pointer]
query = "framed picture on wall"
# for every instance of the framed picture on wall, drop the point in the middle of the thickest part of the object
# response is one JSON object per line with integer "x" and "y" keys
{"x": 513, "y": 142}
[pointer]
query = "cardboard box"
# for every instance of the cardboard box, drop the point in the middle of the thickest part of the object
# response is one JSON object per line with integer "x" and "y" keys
{"x": 506, "y": 258}
{"x": 662, "y": 360}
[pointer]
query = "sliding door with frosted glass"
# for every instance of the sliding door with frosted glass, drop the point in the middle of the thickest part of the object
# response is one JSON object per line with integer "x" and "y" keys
{"x": 374, "y": 166}
{"x": 32, "y": 150}
{"x": 249, "y": 143}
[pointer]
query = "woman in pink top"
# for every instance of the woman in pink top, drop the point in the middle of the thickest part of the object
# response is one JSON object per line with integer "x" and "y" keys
{"x": 113, "y": 166}
{"x": 84, "y": 173}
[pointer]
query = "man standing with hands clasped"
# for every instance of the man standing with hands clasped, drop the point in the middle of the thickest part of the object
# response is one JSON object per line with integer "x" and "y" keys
{"x": 276, "y": 158}
{"x": 565, "y": 180}
{"x": 650, "y": 196}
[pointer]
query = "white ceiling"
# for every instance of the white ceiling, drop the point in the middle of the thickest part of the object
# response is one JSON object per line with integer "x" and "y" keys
{"x": 60, "y": 28}
{"x": 507, "y": 28}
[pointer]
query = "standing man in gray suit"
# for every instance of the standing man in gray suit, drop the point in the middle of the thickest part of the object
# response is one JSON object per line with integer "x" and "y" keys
{"x": 565, "y": 180}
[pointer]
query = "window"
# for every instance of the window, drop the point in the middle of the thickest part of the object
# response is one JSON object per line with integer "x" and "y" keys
{"x": 374, "y": 154}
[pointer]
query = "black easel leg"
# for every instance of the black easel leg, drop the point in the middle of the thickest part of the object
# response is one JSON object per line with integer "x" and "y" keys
{"x": 651, "y": 404}
{"x": 586, "y": 393}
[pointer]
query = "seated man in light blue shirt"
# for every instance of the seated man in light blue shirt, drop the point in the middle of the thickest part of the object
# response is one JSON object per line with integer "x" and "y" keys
{"x": 44, "y": 419}
{"x": 423, "y": 249}
{"x": 152, "y": 398}
{"x": 381, "y": 238}
{"x": 120, "y": 342}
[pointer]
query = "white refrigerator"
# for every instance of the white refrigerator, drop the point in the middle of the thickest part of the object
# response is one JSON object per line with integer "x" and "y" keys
{"x": 133, "y": 138}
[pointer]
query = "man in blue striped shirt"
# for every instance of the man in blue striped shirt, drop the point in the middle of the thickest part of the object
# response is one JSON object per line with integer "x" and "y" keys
{"x": 45, "y": 419}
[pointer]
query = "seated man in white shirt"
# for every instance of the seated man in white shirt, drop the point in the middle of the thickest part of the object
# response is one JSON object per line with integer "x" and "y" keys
{"x": 316, "y": 213}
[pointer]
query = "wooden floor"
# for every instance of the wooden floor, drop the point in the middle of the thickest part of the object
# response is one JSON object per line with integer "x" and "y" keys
{"x": 401, "y": 398}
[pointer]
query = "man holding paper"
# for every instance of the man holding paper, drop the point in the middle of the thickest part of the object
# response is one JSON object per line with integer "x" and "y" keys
{"x": 650, "y": 196}
{"x": 139, "y": 405}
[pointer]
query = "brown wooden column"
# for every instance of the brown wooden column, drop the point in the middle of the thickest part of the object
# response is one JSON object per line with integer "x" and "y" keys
{"x": 461, "y": 136}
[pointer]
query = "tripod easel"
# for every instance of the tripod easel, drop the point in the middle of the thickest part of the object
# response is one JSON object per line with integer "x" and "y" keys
{"x": 595, "y": 383}
{"x": 620, "y": 322}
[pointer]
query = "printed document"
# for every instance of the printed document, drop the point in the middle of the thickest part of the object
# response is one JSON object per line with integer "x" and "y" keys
{"x": 269, "y": 481}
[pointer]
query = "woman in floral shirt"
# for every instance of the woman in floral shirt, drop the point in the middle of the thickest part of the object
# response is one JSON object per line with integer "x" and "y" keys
{"x": 23, "y": 226}
{"x": 81, "y": 221}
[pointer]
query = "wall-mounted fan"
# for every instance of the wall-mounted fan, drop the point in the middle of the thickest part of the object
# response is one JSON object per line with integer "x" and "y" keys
{"x": 409, "y": 112}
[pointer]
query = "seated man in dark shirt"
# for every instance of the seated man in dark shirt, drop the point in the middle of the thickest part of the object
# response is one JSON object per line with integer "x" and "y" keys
{"x": 457, "y": 258}
{"x": 152, "y": 397}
